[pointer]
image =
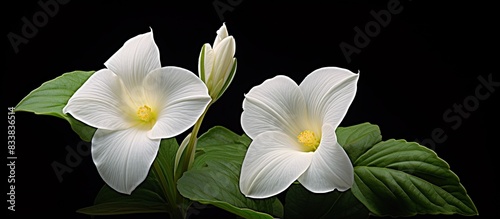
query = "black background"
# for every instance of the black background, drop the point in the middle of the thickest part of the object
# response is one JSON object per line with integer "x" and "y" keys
{"x": 427, "y": 59}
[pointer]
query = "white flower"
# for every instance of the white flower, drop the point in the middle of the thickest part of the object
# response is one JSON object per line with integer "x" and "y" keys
{"x": 293, "y": 131}
{"x": 217, "y": 65}
{"x": 134, "y": 103}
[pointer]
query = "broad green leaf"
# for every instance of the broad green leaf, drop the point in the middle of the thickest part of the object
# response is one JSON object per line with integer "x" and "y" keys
{"x": 51, "y": 97}
{"x": 357, "y": 139}
{"x": 214, "y": 177}
{"x": 400, "y": 178}
{"x": 152, "y": 196}
{"x": 301, "y": 203}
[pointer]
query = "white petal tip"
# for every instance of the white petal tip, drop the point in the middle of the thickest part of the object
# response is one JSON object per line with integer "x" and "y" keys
{"x": 65, "y": 110}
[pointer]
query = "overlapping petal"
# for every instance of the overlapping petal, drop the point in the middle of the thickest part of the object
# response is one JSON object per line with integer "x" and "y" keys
{"x": 275, "y": 105}
{"x": 271, "y": 165}
{"x": 207, "y": 61}
{"x": 224, "y": 53}
{"x": 330, "y": 166}
{"x": 221, "y": 34}
{"x": 100, "y": 102}
{"x": 180, "y": 98}
{"x": 329, "y": 92}
{"x": 123, "y": 157}
{"x": 135, "y": 59}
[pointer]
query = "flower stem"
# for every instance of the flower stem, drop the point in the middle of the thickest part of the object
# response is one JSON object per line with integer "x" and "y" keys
{"x": 185, "y": 164}
{"x": 172, "y": 195}
{"x": 191, "y": 147}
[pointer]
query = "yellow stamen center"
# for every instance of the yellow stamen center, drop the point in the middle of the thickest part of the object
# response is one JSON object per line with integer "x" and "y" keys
{"x": 144, "y": 113}
{"x": 309, "y": 139}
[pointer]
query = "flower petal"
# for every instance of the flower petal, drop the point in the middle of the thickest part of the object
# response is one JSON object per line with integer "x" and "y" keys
{"x": 224, "y": 53}
{"x": 208, "y": 56}
{"x": 330, "y": 168}
{"x": 275, "y": 105}
{"x": 123, "y": 158}
{"x": 329, "y": 92}
{"x": 135, "y": 59}
{"x": 221, "y": 34}
{"x": 180, "y": 98}
{"x": 272, "y": 163}
{"x": 99, "y": 102}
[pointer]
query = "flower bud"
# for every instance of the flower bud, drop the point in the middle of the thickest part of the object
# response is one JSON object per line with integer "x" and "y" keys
{"x": 217, "y": 64}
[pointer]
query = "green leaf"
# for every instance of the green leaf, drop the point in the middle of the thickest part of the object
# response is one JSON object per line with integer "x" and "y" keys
{"x": 301, "y": 203}
{"x": 357, "y": 139}
{"x": 154, "y": 195}
{"x": 400, "y": 178}
{"x": 51, "y": 97}
{"x": 163, "y": 168}
{"x": 146, "y": 198}
{"x": 214, "y": 177}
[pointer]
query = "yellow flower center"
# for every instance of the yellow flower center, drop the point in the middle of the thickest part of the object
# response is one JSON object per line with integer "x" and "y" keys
{"x": 145, "y": 114}
{"x": 309, "y": 140}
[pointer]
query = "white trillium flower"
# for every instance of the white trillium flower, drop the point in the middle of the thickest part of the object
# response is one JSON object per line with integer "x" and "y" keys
{"x": 217, "y": 65}
{"x": 293, "y": 131}
{"x": 134, "y": 103}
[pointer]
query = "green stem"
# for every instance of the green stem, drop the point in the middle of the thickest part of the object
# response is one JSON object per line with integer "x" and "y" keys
{"x": 191, "y": 148}
{"x": 185, "y": 164}
{"x": 170, "y": 192}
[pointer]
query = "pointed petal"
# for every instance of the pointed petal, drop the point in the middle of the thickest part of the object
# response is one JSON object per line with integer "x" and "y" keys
{"x": 221, "y": 34}
{"x": 272, "y": 163}
{"x": 275, "y": 105}
{"x": 229, "y": 78}
{"x": 224, "y": 53}
{"x": 179, "y": 98}
{"x": 135, "y": 59}
{"x": 123, "y": 158}
{"x": 330, "y": 168}
{"x": 329, "y": 92}
{"x": 100, "y": 102}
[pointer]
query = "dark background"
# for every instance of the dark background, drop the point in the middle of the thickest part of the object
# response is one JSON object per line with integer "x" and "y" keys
{"x": 427, "y": 59}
